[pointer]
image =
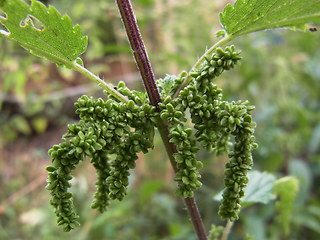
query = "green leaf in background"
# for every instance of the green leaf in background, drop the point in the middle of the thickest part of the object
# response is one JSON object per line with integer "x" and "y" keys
{"x": 21, "y": 125}
{"x": 255, "y": 15}
{"x": 145, "y": 3}
{"x": 258, "y": 190}
{"x": 42, "y": 31}
{"x": 308, "y": 217}
{"x": 215, "y": 232}
{"x": 40, "y": 124}
{"x": 148, "y": 189}
{"x": 286, "y": 188}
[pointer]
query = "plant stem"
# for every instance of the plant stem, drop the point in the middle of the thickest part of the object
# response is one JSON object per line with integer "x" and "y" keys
{"x": 145, "y": 69}
{"x": 139, "y": 51}
{"x": 209, "y": 52}
{"x": 227, "y": 230}
{"x": 100, "y": 82}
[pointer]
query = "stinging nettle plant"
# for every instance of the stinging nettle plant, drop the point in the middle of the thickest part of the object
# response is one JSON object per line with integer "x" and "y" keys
{"x": 112, "y": 131}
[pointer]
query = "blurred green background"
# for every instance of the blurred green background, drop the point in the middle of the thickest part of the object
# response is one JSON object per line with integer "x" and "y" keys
{"x": 279, "y": 73}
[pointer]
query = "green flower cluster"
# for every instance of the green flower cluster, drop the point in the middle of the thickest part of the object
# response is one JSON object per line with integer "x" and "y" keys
{"x": 101, "y": 162}
{"x": 106, "y": 129}
{"x": 213, "y": 66}
{"x": 240, "y": 158}
{"x": 215, "y": 232}
{"x": 111, "y": 133}
{"x": 215, "y": 121}
{"x": 188, "y": 175}
{"x": 170, "y": 84}
{"x": 136, "y": 141}
{"x": 75, "y": 145}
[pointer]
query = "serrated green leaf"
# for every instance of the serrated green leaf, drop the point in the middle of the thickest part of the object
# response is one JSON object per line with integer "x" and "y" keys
{"x": 56, "y": 39}
{"x": 254, "y": 15}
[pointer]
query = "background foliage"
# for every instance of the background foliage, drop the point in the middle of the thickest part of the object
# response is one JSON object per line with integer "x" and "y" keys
{"x": 280, "y": 74}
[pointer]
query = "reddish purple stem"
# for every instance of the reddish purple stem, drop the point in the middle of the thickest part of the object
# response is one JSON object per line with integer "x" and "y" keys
{"x": 146, "y": 72}
{"x": 139, "y": 51}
